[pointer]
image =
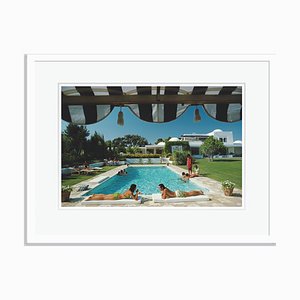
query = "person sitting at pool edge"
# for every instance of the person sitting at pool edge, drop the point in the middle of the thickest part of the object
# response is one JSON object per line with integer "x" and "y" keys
{"x": 196, "y": 167}
{"x": 195, "y": 174}
{"x": 166, "y": 193}
{"x": 129, "y": 194}
{"x": 183, "y": 176}
{"x": 122, "y": 172}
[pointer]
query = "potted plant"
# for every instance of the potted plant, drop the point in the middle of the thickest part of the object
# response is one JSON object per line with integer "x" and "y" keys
{"x": 65, "y": 193}
{"x": 228, "y": 187}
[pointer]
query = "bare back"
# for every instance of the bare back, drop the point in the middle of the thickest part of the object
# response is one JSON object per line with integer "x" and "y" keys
{"x": 166, "y": 193}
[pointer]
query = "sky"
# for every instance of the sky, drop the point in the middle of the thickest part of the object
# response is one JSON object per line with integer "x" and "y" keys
{"x": 152, "y": 131}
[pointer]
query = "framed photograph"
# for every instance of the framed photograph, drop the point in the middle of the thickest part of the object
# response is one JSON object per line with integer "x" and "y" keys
{"x": 147, "y": 150}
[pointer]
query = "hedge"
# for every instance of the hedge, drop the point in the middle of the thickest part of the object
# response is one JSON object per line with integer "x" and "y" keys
{"x": 179, "y": 157}
{"x": 140, "y": 155}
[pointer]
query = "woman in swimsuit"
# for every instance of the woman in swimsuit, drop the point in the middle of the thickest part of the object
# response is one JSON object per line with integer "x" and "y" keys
{"x": 189, "y": 163}
{"x": 166, "y": 193}
{"x": 129, "y": 194}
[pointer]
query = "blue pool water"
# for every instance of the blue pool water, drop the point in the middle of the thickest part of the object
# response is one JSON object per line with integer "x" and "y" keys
{"x": 146, "y": 179}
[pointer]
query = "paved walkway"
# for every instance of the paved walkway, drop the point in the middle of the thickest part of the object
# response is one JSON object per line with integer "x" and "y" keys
{"x": 216, "y": 194}
{"x": 215, "y": 191}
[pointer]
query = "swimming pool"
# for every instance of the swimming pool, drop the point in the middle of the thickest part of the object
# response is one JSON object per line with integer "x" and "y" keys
{"x": 147, "y": 180}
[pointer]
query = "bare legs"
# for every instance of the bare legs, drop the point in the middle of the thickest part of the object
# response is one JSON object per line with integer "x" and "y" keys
{"x": 193, "y": 193}
{"x": 101, "y": 197}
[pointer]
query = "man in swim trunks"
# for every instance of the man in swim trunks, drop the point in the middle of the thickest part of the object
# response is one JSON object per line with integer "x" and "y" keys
{"x": 129, "y": 194}
{"x": 166, "y": 193}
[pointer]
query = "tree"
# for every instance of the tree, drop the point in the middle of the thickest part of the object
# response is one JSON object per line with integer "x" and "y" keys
{"x": 109, "y": 145}
{"x": 74, "y": 139}
{"x": 134, "y": 140}
{"x": 67, "y": 155}
{"x": 133, "y": 150}
{"x": 159, "y": 140}
{"x": 96, "y": 147}
{"x": 118, "y": 145}
{"x": 211, "y": 147}
{"x": 162, "y": 140}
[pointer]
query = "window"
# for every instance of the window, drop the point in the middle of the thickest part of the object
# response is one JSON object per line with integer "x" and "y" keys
{"x": 225, "y": 140}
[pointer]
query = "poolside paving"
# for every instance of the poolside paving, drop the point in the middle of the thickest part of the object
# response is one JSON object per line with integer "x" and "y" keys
{"x": 215, "y": 194}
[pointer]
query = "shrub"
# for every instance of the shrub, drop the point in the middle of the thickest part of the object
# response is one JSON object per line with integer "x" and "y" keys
{"x": 66, "y": 188}
{"x": 180, "y": 157}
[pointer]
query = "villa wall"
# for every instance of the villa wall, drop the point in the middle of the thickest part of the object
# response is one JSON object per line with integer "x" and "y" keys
{"x": 224, "y": 134}
{"x": 235, "y": 150}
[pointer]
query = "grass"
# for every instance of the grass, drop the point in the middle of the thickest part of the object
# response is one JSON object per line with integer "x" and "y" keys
{"x": 222, "y": 169}
{"x": 76, "y": 178}
{"x": 218, "y": 169}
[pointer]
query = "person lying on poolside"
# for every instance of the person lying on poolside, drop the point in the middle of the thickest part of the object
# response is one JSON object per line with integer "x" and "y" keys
{"x": 166, "y": 193}
{"x": 188, "y": 176}
{"x": 129, "y": 194}
{"x": 192, "y": 175}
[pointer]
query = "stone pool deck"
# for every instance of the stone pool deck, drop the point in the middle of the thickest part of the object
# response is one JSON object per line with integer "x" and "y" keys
{"x": 215, "y": 194}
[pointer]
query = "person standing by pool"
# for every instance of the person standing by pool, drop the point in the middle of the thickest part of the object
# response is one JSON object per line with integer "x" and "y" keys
{"x": 189, "y": 164}
{"x": 166, "y": 193}
{"x": 129, "y": 194}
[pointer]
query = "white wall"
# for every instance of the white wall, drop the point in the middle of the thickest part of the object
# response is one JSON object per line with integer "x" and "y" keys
{"x": 225, "y": 134}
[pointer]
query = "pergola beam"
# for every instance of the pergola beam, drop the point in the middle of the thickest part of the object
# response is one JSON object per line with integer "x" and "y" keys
{"x": 151, "y": 99}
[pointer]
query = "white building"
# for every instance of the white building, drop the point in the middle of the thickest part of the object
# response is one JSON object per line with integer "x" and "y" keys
{"x": 196, "y": 140}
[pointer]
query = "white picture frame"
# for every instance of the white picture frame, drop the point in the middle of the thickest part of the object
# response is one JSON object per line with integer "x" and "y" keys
{"x": 46, "y": 223}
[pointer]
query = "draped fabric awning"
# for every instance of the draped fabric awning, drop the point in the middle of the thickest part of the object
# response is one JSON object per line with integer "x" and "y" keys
{"x": 90, "y": 104}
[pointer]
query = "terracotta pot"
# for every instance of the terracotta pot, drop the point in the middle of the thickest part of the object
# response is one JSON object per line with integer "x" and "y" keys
{"x": 65, "y": 196}
{"x": 228, "y": 192}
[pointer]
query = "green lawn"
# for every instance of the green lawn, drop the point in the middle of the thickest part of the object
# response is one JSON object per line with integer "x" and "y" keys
{"x": 222, "y": 169}
{"x": 76, "y": 178}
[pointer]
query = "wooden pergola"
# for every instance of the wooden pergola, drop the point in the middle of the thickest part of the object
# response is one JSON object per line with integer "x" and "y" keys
{"x": 91, "y": 104}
